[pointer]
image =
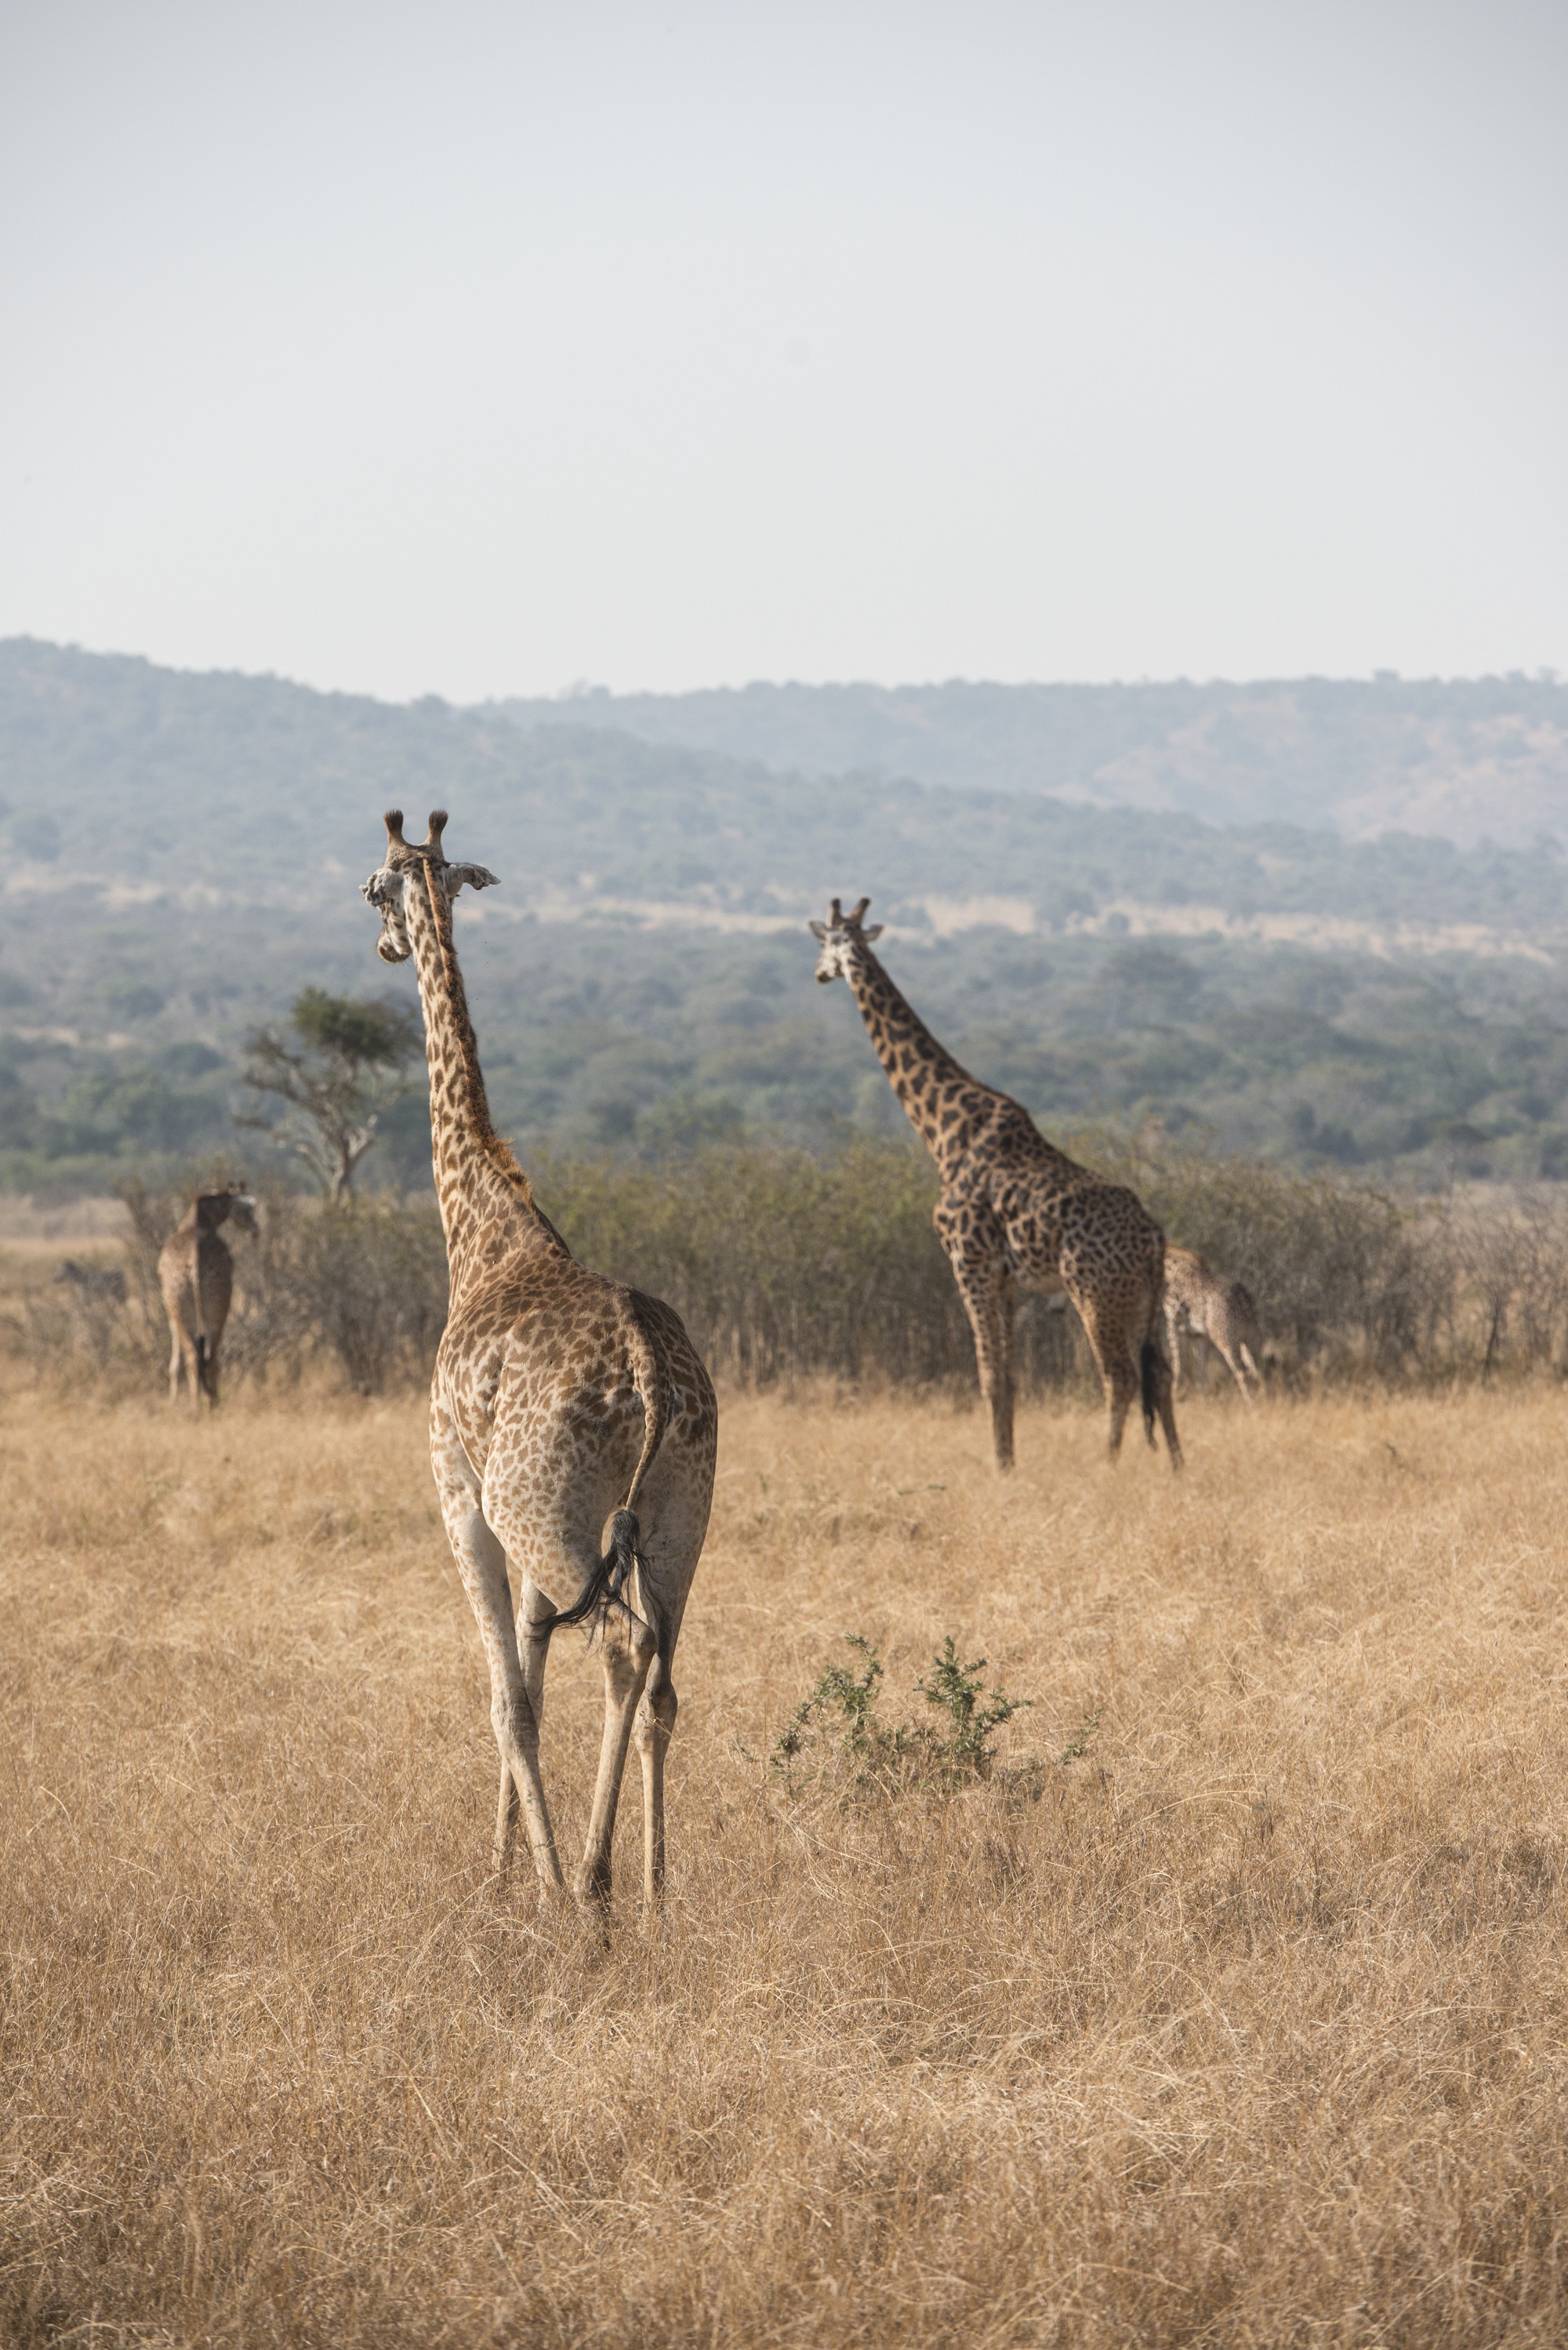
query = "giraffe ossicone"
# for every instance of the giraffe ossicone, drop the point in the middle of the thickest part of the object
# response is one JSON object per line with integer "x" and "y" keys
{"x": 1015, "y": 1211}
{"x": 573, "y": 1427}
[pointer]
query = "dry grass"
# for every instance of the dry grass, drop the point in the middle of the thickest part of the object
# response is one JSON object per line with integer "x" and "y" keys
{"x": 1248, "y": 2026}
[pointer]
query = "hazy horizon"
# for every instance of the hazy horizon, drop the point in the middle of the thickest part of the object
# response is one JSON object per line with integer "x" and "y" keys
{"x": 486, "y": 353}
{"x": 587, "y": 688}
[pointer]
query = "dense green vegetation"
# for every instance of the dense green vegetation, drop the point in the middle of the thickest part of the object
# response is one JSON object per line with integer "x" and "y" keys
{"x": 182, "y": 855}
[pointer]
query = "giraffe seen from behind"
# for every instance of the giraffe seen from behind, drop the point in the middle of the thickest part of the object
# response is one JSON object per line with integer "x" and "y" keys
{"x": 196, "y": 1275}
{"x": 573, "y": 1428}
{"x": 1204, "y": 1303}
{"x": 1013, "y": 1209}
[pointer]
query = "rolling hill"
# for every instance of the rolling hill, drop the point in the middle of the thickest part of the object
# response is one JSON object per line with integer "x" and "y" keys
{"x": 181, "y": 854}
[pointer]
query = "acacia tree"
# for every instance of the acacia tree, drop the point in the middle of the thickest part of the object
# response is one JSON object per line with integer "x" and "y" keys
{"x": 338, "y": 1065}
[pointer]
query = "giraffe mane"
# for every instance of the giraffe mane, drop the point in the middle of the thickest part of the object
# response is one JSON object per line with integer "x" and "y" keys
{"x": 496, "y": 1146}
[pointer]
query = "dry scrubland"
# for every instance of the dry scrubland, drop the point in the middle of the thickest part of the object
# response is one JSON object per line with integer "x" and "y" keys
{"x": 1247, "y": 2025}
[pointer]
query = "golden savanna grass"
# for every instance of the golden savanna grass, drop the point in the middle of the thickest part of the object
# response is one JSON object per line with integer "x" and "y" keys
{"x": 1245, "y": 2026}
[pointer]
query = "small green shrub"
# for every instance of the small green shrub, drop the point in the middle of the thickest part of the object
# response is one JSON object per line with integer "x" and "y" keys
{"x": 837, "y": 1731}
{"x": 956, "y": 1690}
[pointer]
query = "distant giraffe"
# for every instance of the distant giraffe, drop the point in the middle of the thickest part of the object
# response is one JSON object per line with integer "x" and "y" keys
{"x": 1014, "y": 1209}
{"x": 565, "y": 1408}
{"x": 1211, "y": 1308}
{"x": 196, "y": 1274}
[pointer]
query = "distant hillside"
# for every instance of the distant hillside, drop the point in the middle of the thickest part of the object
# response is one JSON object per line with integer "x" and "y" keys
{"x": 1460, "y": 761}
{"x": 119, "y": 777}
{"x": 180, "y": 854}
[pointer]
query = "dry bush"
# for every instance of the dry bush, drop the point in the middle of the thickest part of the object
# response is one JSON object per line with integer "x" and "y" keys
{"x": 1230, "y": 2009}
{"x": 362, "y": 1287}
{"x": 369, "y": 1279}
{"x": 1349, "y": 1279}
{"x": 786, "y": 1267}
{"x": 781, "y": 1265}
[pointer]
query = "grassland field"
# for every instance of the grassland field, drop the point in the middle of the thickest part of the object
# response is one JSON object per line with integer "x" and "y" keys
{"x": 1230, "y": 2009}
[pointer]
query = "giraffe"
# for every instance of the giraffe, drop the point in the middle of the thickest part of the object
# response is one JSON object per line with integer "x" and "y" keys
{"x": 1209, "y": 1307}
{"x": 1012, "y": 1208}
{"x": 196, "y": 1274}
{"x": 560, "y": 1400}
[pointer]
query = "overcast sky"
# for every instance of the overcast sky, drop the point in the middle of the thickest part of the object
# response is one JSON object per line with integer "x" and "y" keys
{"x": 477, "y": 349}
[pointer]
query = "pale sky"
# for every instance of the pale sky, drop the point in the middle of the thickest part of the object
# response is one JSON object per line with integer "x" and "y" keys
{"x": 476, "y": 348}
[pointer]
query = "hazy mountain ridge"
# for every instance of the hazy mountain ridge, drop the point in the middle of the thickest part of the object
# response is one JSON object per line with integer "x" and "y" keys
{"x": 140, "y": 779}
{"x": 1461, "y": 760}
{"x": 183, "y": 854}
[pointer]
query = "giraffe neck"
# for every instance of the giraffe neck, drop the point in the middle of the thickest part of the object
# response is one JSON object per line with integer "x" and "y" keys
{"x": 479, "y": 1183}
{"x": 917, "y": 1067}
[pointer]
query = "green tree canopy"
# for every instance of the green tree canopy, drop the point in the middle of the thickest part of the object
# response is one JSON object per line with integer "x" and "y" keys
{"x": 337, "y": 1068}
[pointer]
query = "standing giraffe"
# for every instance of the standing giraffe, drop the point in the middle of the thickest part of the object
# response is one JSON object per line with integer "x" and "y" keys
{"x": 1014, "y": 1209}
{"x": 560, "y": 1400}
{"x": 1209, "y": 1307}
{"x": 196, "y": 1274}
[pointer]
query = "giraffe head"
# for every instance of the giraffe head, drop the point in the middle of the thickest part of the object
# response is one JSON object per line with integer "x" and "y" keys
{"x": 839, "y": 937}
{"x": 234, "y": 1204}
{"x": 384, "y": 889}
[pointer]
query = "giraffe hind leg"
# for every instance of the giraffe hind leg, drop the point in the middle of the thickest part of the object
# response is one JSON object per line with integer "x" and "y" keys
{"x": 1159, "y": 1390}
{"x": 1117, "y": 1358}
{"x": 629, "y": 1653}
{"x": 652, "y": 1729}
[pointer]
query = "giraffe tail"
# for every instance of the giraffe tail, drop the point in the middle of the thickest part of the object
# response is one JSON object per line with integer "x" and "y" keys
{"x": 202, "y": 1378}
{"x": 608, "y": 1585}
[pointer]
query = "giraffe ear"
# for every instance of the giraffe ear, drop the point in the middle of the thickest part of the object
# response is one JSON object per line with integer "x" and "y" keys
{"x": 818, "y": 930}
{"x": 874, "y": 933}
{"x": 474, "y": 877}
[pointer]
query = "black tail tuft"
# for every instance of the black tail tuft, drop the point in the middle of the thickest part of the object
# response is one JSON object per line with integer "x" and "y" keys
{"x": 1148, "y": 1372}
{"x": 606, "y": 1586}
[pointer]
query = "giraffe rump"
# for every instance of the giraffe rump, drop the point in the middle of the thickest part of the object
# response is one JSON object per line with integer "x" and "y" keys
{"x": 606, "y": 1586}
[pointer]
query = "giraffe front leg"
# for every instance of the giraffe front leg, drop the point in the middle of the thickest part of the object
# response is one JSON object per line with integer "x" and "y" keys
{"x": 534, "y": 1611}
{"x": 985, "y": 1286}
